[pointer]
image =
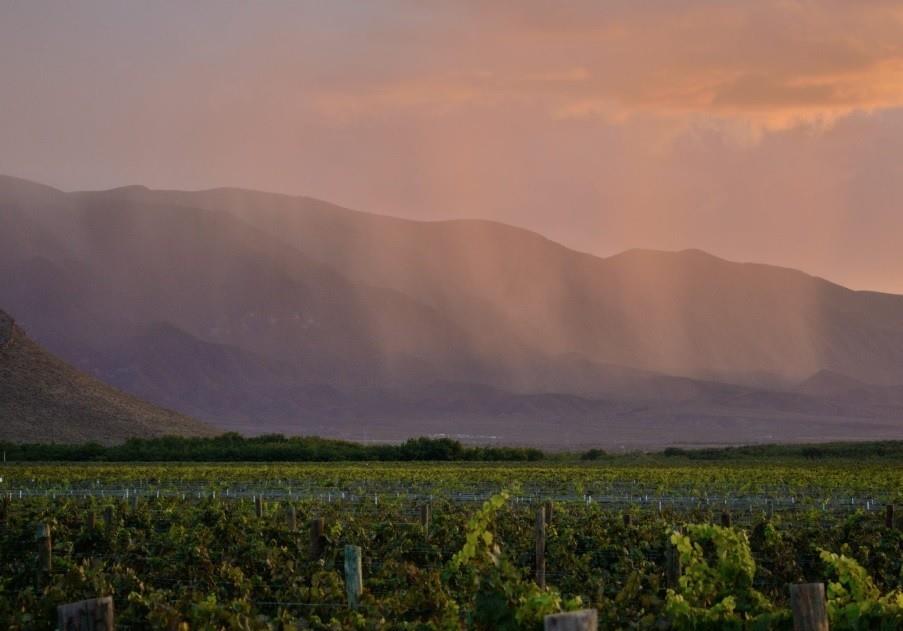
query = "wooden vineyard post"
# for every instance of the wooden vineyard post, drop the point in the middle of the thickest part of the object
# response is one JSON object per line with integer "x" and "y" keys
{"x": 584, "y": 620}
{"x": 45, "y": 550}
{"x": 291, "y": 517}
{"x": 354, "y": 578}
{"x": 541, "y": 547}
{"x": 425, "y": 516}
{"x": 91, "y": 521}
{"x": 725, "y": 519}
{"x": 889, "y": 517}
{"x": 316, "y": 538}
{"x": 628, "y": 520}
{"x": 86, "y": 615}
{"x": 549, "y": 506}
{"x": 807, "y": 600}
{"x": 258, "y": 506}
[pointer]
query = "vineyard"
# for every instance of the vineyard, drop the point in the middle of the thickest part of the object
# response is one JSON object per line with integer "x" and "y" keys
{"x": 448, "y": 546}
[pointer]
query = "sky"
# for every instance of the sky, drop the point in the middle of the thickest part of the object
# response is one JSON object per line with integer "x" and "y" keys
{"x": 762, "y": 130}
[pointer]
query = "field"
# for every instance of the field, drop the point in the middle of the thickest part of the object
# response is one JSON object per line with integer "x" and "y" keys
{"x": 195, "y": 546}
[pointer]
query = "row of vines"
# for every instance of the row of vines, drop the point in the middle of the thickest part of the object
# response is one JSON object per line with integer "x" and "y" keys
{"x": 215, "y": 562}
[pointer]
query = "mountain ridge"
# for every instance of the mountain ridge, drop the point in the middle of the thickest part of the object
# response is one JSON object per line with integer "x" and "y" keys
{"x": 331, "y": 207}
{"x": 398, "y": 260}
{"x": 143, "y": 190}
{"x": 288, "y": 312}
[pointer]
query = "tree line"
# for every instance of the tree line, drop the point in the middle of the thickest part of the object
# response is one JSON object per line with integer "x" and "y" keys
{"x": 232, "y": 447}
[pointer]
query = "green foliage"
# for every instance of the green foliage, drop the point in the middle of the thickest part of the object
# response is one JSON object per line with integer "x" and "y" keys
{"x": 233, "y": 447}
{"x": 478, "y": 541}
{"x": 716, "y": 588}
{"x": 823, "y": 451}
{"x": 496, "y": 594}
{"x": 210, "y": 562}
{"x": 855, "y": 602}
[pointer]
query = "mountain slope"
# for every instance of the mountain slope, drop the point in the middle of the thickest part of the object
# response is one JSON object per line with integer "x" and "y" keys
{"x": 265, "y": 312}
{"x": 216, "y": 382}
{"x": 43, "y": 399}
{"x": 837, "y": 387}
{"x": 220, "y": 280}
{"x": 683, "y": 313}
{"x": 482, "y": 300}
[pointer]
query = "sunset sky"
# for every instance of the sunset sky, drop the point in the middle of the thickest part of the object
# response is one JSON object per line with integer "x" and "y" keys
{"x": 763, "y": 130}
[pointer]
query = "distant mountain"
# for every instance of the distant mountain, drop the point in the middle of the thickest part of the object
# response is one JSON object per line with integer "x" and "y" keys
{"x": 266, "y": 312}
{"x": 43, "y": 399}
{"x": 827, "y": 383}
{"x": 835, "y": 386}
{"x": 111, "y": 267}
{"x": 682, "y": 313}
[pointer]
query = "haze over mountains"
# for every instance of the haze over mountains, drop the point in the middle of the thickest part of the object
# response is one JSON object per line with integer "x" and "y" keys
{"x": 265, "y": 312}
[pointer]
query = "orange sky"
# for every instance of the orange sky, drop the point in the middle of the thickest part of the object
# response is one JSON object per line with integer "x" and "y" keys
{"x": 766, "y": 130}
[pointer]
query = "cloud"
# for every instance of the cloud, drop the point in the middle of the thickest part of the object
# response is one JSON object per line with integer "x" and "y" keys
{"x": 758, "y": 129}
{"x": 768, "y": 65}
{"x": 564, "y": 75}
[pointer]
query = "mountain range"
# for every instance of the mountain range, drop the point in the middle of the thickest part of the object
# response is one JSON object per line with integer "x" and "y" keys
{"x": 261, "y": 312}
